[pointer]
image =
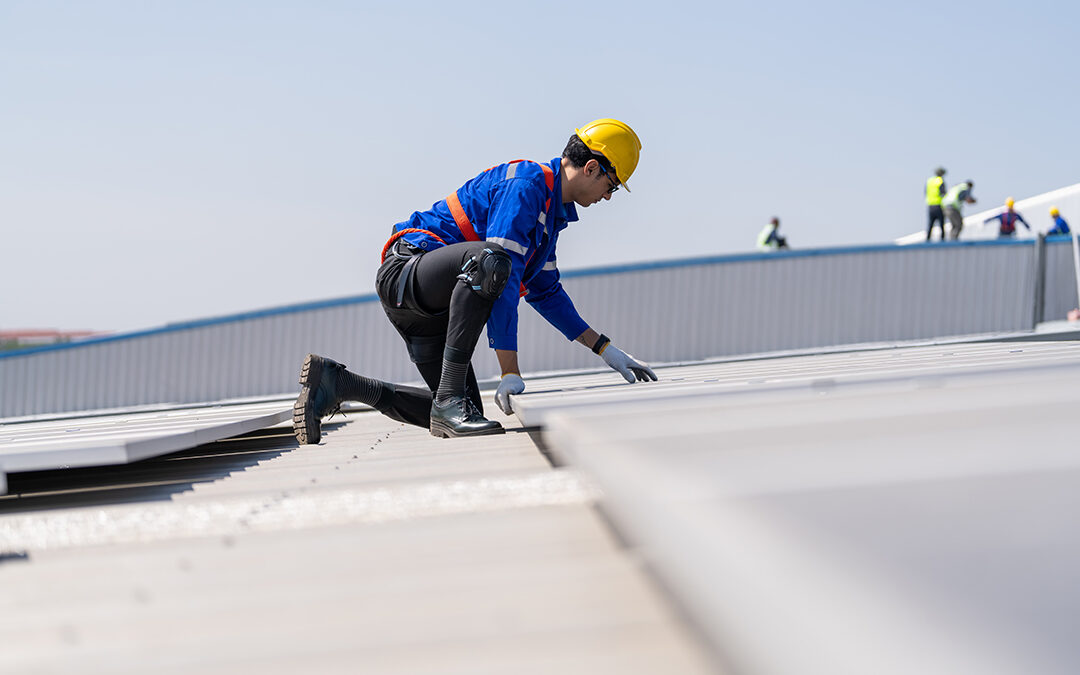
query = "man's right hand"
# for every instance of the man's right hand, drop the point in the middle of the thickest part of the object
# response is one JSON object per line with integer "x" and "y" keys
{"x": 511, "y": 383}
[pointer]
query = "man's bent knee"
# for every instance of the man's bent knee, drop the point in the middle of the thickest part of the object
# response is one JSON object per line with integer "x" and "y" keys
{"x": 487, "y": 272}
{"x": 426, "y": 349}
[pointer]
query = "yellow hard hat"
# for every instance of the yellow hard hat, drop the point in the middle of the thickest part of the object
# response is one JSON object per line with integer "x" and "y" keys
{"x": 616, "y": 141}
{"x": 1009, "y": 202}
{"x": 1054, "y": 211}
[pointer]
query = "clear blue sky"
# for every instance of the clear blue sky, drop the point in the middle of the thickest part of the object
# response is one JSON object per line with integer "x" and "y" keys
{"x": 163, "y": 161}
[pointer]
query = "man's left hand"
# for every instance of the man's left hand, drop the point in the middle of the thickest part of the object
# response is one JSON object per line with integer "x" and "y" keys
{"x": 629, "y": 367}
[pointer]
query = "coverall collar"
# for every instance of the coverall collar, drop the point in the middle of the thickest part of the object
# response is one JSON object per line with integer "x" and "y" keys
{"x": 564, "y": 212}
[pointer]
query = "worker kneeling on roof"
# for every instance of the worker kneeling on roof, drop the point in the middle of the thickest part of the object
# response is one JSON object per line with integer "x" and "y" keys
{"x": 464, "y": 263}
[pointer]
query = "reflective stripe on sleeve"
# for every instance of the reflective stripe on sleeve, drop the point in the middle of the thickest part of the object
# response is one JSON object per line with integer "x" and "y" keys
{"x": 509, "y": 244}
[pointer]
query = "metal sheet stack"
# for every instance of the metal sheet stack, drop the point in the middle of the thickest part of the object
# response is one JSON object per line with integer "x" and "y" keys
{"x": 892, "y": 511}
{"x": 122, "y": 438}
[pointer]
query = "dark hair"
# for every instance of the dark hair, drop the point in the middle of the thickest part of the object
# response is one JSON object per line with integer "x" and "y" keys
{"x": 579, "y": 154}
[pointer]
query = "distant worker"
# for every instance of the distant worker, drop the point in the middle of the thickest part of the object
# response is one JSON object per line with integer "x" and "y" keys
{"x": 770, "y": 239}
{"x": 1008, "y": 219}
{"x": 953, "y": 202}
{"x": 1060, "y": 226}
{"x": 935, "y": 190}
{"x": 465, "y": 263}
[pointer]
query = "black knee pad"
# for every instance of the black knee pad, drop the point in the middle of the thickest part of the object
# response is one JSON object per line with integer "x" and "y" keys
{"x": 487, "y": 272}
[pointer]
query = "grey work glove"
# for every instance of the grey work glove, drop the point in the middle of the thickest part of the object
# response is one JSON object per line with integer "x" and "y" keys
{"x": 627, "y": 366}
{"x": 511, "y": 383}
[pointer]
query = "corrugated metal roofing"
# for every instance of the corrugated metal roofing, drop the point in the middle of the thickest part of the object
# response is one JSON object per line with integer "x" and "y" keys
{"x": 382, "y": 550}
{"x": 888, "y": 510}
{"x": 701, "y": 308}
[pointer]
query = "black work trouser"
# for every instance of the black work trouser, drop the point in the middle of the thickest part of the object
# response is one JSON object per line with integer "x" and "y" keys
{"x": 436, "y": 309}
{"x": 934, "y": 215}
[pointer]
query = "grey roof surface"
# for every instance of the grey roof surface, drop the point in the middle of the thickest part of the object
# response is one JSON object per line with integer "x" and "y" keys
{"x": 381, "y": 550}
{"x": 886, "y": 510}
{"x": 894, "y": 511}
{"x": 924, "y": 366}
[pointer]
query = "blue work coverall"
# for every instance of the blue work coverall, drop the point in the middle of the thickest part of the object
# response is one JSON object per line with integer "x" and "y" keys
{"x": 1008, "y": 223}
{"x": 511, "y": 205}
{"x": 1060, "y": 226}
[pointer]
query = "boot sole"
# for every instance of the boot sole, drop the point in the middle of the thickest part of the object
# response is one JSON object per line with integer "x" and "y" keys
{"x": 441, "y": 431}
{"x": 306, "y": 428}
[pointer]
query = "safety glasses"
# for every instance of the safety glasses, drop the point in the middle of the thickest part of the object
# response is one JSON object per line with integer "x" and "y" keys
{"x": 614, "y": 186}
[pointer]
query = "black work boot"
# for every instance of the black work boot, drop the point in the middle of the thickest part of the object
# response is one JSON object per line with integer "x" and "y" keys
{"x": 319, "y": 378}
{"x": 458, "y": 417}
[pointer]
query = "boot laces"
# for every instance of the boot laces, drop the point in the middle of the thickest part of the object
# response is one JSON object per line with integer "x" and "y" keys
{"x": 471, "y": 409}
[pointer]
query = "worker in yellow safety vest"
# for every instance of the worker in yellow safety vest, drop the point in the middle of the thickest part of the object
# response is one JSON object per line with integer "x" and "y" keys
{"x": 953, "y": 203}
{"x": 935, "y": 190}
{"x": 769, "y": 238}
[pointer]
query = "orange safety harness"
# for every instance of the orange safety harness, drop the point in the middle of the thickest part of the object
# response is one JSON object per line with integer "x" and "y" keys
{"x": 462, "y": 219}
{"x": 397, "y": 235}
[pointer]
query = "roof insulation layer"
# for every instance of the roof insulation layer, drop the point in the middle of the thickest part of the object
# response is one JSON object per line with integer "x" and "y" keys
{"x": 897, "y": 511}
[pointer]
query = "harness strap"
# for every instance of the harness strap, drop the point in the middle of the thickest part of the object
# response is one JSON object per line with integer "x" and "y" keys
{"x": 465, "y": 225}
{"x": 397, "y": 235}
{"x": 403, "y": 279}
{"x": 461, "y": 218}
